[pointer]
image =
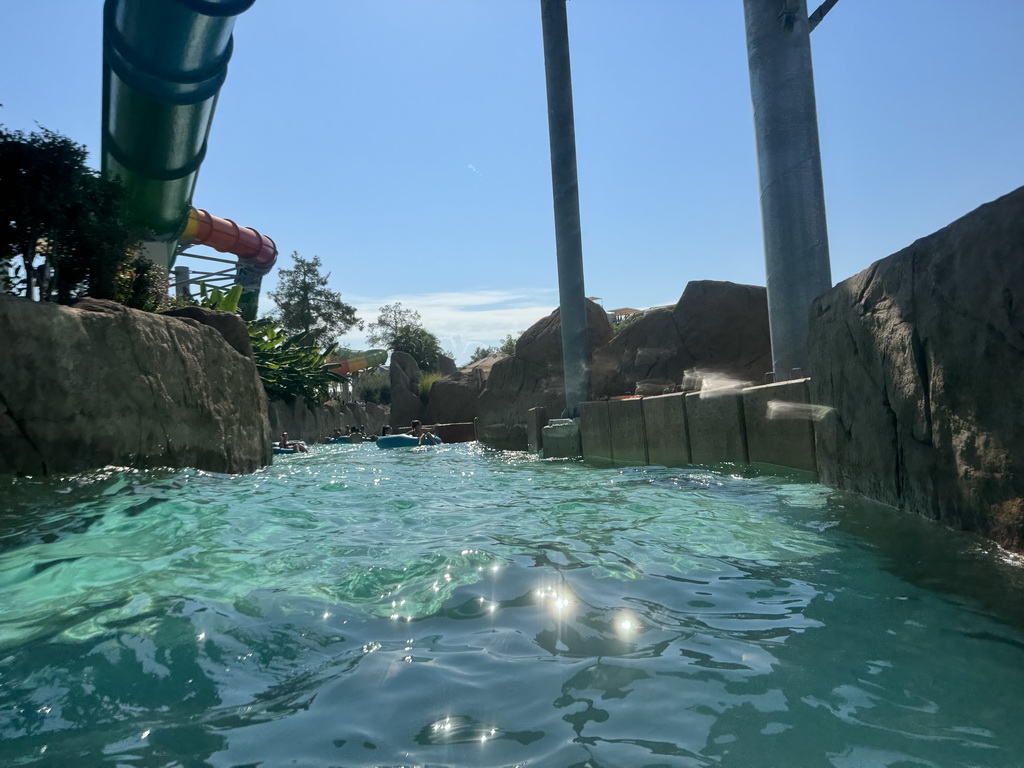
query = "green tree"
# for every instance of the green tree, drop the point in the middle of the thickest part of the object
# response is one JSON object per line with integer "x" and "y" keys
{"x": 421, "y": 344}
{"x": 392, "y": 317}
{"x": 508, "y": 346}
{"x": 399, "y": 329}
{"x": 481, "y": 352}
{"x": 307, "y": 305}
{"x": 60, "y": 212}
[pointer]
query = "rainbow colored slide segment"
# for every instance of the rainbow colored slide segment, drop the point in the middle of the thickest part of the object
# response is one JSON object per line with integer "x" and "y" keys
{"x": 358, "y": 361}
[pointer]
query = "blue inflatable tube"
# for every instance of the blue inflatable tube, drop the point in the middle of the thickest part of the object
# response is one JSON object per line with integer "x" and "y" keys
{"x": 283, "y": 450}
{"x": 406, "y": 441}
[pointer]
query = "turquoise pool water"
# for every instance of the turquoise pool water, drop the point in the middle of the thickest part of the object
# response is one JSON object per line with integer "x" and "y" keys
{"x": 456, "y": 606}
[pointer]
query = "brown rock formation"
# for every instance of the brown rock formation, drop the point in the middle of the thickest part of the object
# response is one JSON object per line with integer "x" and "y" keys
{"x": 453, "y": 399}
{"x": 228, "y": 324}
{"x": 530, "y": 378}
{"x": 102, "y": 384}
{"x": 922, "y": 358}
{"x": 715, "y": 327}
{"x": 405, "y": 390}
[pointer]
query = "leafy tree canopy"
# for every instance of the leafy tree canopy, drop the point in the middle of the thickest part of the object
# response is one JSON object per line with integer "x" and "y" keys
{"x": 57, "y": 211}
{"x": 391, "y": 318}
{"x": 507, "y": 347}
{"x": 481, "y": 352}
{"x": 307, "y": 305}
{"x": 421, "y": 344}
{"x": 399, "y": 329}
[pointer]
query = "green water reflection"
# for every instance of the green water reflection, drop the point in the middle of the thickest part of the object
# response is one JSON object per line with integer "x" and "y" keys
{"x": 457, "y": 606}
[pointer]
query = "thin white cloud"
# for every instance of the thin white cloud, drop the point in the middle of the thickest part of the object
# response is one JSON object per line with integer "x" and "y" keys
{"x": 463, "y": 321}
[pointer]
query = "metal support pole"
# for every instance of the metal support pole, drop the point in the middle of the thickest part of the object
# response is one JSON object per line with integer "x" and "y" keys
{"x": 181, "y": 282}
{"x": 250, "y": 278}
{"x": 565, "y": 190}
{"x": 789, "y": 165}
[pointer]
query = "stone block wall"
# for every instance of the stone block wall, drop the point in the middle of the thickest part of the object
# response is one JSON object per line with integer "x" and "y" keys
{"x": 736, "y": 425}
{"x": 779, "y": 425}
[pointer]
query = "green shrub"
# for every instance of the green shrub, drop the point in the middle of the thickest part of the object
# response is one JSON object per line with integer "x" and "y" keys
{"x": 625, "y": 322}
{"x": 290, "y": 366}
{"x": 426, "y": 382}
{"x": 374, "y": 387}
{"x": 141, "y": 284}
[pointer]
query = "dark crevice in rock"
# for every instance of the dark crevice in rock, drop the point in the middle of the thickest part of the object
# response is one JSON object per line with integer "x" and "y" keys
{"x": 24, "y": 433}
{"x": 869, "y": 281}
{"x": 921, "y": 362}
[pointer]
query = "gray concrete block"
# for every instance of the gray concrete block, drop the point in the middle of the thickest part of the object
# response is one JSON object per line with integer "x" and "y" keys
{"x": 668, "y": 438}
{"x": 716, "y": 426}
{"x": 595, "y": 430}
{"x": 561, "y": 439}
{"x": 780, "y": 424}
{"x": 629, "y": 441}
{"x": 536, "y": 419}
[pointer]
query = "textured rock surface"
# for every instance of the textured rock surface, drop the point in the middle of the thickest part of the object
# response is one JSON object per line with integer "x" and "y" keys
{"x": 531, "y": 378}
{"x": 716, "y": 327}
{"x": 314, "y": 424}
{"x": 228, "y": 324}
{"x": 100, "y": 384}
{"x": 922, "y": 358}
{"x": 446, "y": 365}
{"x": 453, "y": 399}
{"x": 405, "y": 390}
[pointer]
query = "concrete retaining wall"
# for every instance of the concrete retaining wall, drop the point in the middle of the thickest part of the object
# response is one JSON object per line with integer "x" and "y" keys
{"x": 769, "y": 424}
{"x": 314, "y": 424}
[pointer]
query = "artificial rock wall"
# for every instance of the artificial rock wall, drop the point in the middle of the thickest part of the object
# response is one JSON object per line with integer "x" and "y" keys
{"x": 921, "y": 358}
{"x": 99, "y": 384}
{"x": 314, "y": 424}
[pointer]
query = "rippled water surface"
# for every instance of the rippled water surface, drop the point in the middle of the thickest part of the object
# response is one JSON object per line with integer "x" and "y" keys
{"x": 461, "y": 607}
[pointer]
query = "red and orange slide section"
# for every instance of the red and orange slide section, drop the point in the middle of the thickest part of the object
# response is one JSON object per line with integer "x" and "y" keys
{"x": 256, "y": 253}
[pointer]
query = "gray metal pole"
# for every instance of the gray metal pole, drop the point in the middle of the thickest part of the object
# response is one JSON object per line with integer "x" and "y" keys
{"x": 565, "y": 189}
{"x": 181, "y": 282}
{"x": 789, "y": 165}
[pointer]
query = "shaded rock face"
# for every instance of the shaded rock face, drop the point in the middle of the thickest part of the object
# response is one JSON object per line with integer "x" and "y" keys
{"x": 922, "y": 358}
{"x": 228, "y": 324}
{"x": 316, "y": 423}
{"x": 405, "y": 390}
{"x": 715, "y": 327}
{"x": 100, "y": 384}
{"x": 446, "y": 365}
{"x": 531, "y": 378}
{"x": 453, "y": 399}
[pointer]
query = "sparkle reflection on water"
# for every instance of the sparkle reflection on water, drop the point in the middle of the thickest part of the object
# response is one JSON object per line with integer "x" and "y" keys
{"x": 461, "y": 607}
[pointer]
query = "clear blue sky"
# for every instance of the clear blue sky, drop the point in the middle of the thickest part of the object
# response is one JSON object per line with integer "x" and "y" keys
{"x": 405, "y": 141}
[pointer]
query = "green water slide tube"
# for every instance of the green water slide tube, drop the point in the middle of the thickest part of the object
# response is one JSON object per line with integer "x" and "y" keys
{"x": 164, "y": 62}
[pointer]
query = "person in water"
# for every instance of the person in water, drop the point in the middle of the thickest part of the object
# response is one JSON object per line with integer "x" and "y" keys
{"x": 355, "y": 435}
{"x": 299, "y": 446}
{"x": 422, "y": 435}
